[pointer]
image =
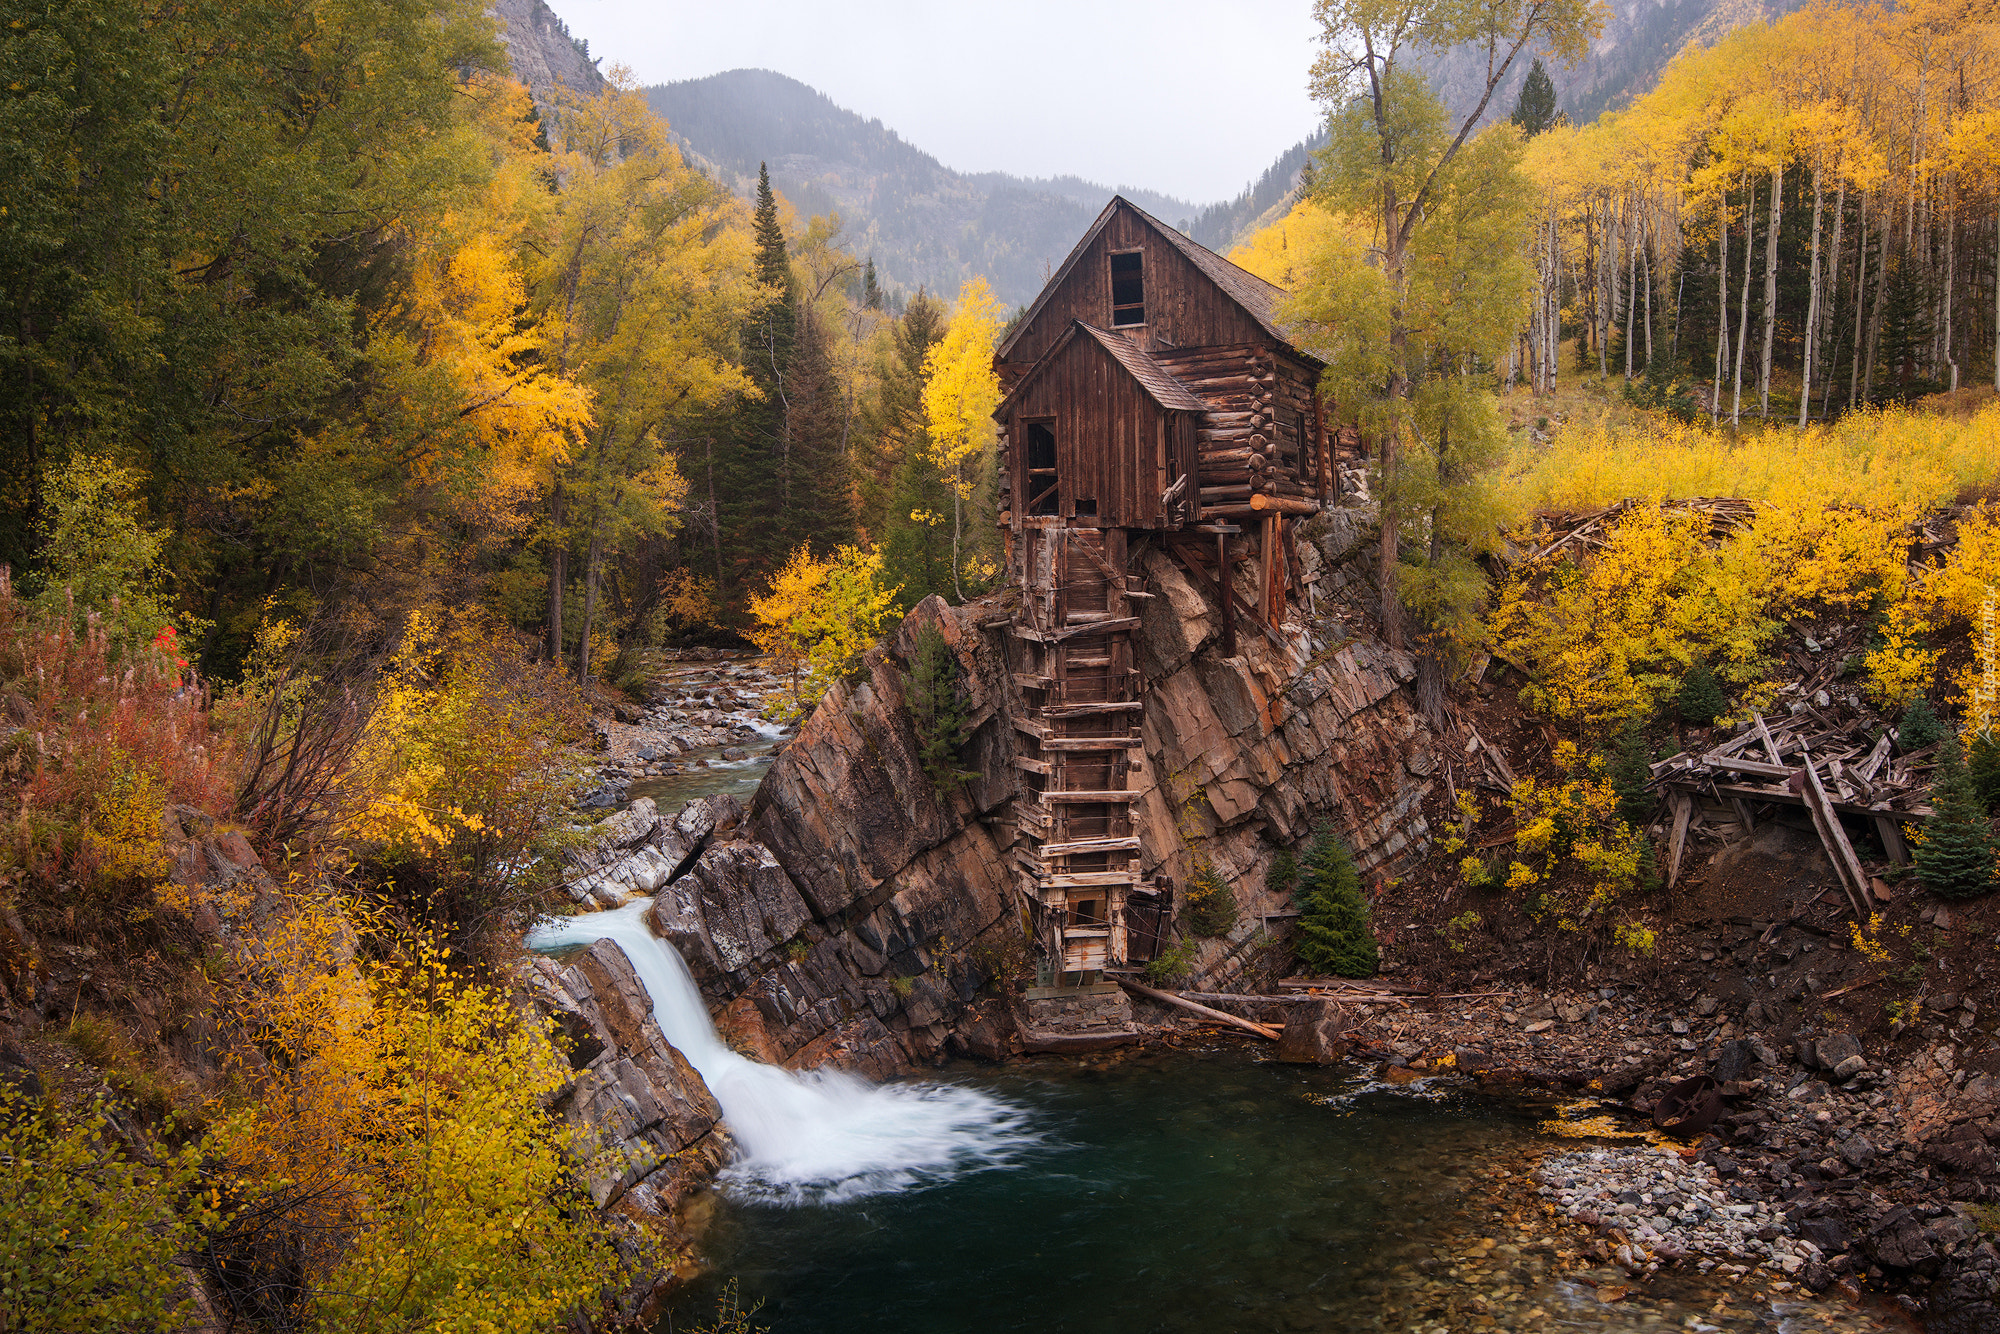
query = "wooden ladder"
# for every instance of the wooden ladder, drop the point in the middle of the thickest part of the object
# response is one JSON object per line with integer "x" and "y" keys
{"x": 1080, "y": 855}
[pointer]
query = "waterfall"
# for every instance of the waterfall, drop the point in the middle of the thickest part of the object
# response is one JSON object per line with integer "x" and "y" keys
{"x": 818, "y": 1137}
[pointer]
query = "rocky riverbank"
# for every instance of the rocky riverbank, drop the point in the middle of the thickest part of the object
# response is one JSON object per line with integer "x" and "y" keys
{"x": 704, "y": 711}
{"x": 1834, "y": 1168}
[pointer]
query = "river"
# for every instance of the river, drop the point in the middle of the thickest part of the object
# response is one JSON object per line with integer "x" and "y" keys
{"x": 1150, "y": 1192}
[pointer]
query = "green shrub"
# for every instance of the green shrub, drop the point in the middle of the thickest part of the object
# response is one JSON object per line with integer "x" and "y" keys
{"x": 1333, "y": 934}
{"x": 1920, "y": 728}
{"x": 932, "y": 687}
{"x": 1211, "y": 903}
{"x": 1955, "y": 858}
{"x": 89, "y": 1238}
{"x": 1170, "y": 965}
{"x": 1702, "y": 700}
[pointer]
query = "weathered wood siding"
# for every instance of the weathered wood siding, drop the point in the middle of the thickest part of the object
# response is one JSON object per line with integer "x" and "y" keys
{"x": 1184, "y": 308}
{"x": 1114, "y": 444}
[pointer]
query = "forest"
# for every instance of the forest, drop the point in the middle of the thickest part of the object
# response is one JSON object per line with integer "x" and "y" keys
{"x": 370, "y": 427}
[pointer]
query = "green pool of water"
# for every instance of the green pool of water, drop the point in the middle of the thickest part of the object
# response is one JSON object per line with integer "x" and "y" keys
{"x": 1213, "y": 1192}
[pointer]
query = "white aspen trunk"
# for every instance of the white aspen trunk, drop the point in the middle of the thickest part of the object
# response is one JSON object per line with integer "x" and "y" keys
{"x": 1875, "y": 316}
{"x": 1770, "y": 290}
{"x": 1602, "y": 305}
{"x": 1860, "y": 303}
{"x": 1950, "y": 276}
{"x": 1631, "y": 285}
{"x": 1722, "y": 313}
{"x": 1743, "y": 305}
{"x": 1812, "y": 299}
{"x": 1830, "y": 319}
{"x": 1646, "y": 265}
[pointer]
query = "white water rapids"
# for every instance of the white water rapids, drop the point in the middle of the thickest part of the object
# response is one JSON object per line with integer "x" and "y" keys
{"x": 819, "y": 1137}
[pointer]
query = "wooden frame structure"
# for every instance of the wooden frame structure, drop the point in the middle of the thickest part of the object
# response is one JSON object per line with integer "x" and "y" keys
{"x": 1149, "y": 395}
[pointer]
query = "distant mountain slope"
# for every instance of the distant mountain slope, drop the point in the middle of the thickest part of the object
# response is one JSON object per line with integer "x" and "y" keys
{"x": 1639, "y": 38}
{"x": 924, "y": 223}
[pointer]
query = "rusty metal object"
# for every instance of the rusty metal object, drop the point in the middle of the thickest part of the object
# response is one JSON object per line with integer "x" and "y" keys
{"x": 1689, "y": 1107}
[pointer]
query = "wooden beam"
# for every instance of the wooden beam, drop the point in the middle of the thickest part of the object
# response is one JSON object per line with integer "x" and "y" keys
{"x": 1056, "y": 743}
{"x": 1090, "y": 880}
{"x": 1080, "y": 710}
{"x": 1090, "y": 797}
{"x": 1168, "y": 997}
{"x": 1032, "y": 766}
{"x": 1891, "y": 835}
{"x": 1088, "y": 845}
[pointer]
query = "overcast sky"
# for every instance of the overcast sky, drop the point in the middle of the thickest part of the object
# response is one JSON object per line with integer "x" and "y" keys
{"x": 1191, "y": 97}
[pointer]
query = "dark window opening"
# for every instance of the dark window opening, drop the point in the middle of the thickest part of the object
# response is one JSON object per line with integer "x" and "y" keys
{"x": 1086, "y": 509}
{"x": 1128, "y": 289}
{"x": 1042, "y": 497}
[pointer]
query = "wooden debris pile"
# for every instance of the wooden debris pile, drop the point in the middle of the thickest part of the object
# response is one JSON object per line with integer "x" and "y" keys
{"x": 1803, "y": 760}
{"x": 1576, "y": 532}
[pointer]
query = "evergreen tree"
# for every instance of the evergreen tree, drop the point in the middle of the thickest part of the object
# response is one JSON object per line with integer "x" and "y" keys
{"x": 751, "y": 500}
{"x": 1630, "y": 772}
{"x": 1333, "y": 933}
{"x": 1702, "y": 700}
{"x": 938, "y": 709}
{"x": 895, "y": 476}
{"x": 1535, "y": 110}
{"x": 1956, "y": 857}
{"x": 1919, "y": 728}
{"x": 871, "y": 291}
{"x": 1983, "y": 763}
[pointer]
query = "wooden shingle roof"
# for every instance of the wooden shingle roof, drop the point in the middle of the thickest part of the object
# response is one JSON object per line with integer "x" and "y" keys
{"x": 1155, "y": 379}
{"x": 1151, "y": 375}
{"x": 1258, "y": 298}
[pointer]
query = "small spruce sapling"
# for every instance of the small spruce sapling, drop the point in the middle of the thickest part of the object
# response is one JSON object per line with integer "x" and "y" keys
{"x": 1920, "y": 728}
{"x": 1630, "y": 771}
{"x": 1702, "y": 700}
{"x": 1956, "y": 858}
{"x": 937, "y": 708}
{"x": 1333, "y": 932}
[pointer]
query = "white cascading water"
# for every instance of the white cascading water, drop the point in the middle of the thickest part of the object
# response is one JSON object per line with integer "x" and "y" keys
{"x": 818, "y": 1137}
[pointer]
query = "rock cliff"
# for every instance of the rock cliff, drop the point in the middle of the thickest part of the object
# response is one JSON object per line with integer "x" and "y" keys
{"x": 542, "y": 52}
{"x": 855, "y": 914}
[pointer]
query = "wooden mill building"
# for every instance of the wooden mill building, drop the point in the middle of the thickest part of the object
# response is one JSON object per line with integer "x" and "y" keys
{"x": 1150, "y": 397}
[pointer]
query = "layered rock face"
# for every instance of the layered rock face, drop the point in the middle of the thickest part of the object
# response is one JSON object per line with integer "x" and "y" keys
{"x": 855, "y": 912}
{"x": 653, "y": 1132}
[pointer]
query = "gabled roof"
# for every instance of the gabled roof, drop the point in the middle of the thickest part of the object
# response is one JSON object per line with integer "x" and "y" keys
{"x": 1154, "y": 378}
{"x": 1258, "y": 298}
{"x": 1160, "y": 386}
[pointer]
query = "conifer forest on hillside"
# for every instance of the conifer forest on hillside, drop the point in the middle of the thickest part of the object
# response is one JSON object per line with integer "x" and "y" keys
{"x": 378, "y": 431}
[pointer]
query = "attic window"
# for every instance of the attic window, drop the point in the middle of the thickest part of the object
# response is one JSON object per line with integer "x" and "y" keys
{"x": 1128, "y": 289}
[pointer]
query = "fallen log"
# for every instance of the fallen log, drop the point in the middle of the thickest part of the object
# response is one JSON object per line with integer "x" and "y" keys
{"x": 1169, "y": 998}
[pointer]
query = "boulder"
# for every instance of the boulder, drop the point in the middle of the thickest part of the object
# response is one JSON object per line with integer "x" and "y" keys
{"x": 1733, "y": 1062}
{"x": 1835, "y": 1048}
{"x": 1314, "y": 1034}
{"x": 1899, "y": 1239}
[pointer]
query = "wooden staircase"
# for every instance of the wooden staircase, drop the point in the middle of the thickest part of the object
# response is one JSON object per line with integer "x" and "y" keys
{"x": 1079, "y": 738}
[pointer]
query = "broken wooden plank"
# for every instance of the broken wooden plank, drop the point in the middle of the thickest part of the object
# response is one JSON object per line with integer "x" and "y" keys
{"x": 1056, "y": 743}
{"x": 1846, "y": 866}
{"x": 1891, "y": 835}
{"x": 1683, "y": 808}
{"x": 1742, "y": 766}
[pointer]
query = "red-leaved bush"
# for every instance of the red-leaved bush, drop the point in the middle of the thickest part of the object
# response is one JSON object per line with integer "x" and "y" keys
{"x": 95, "y": 747}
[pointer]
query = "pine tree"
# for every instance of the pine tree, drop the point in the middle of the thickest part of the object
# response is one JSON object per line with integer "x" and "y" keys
{"x": 1956, "y": 857}
{"x": 1919, "y": 728}
{"x": 1333, "y": 934}
{"x": 1535, "y": 110}
{"x": 1983, "y": 764}
{"x": 1630, "y": 772}
{"x": 1701, "y": 699}
{"x": 938, "y": 711}
{"x": 871, "y": 291}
